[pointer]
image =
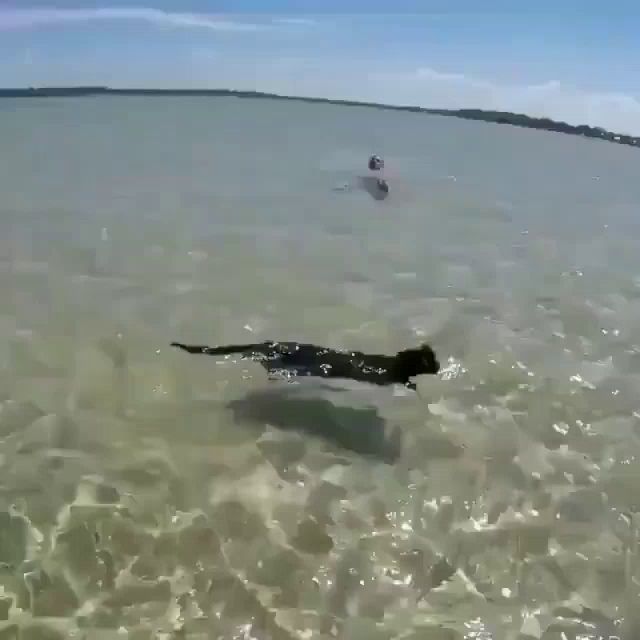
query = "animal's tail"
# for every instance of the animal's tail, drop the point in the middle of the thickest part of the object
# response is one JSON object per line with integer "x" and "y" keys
{"x": 215, "y": 351}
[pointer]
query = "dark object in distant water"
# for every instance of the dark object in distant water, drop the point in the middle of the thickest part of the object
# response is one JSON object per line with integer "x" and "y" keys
{"x": 500, "y": 117}
{"x": 383, "y": 185}
{"x": 293, "y": 359}
{"x": 376, "y": 163}
{"x": 375, "y": 187}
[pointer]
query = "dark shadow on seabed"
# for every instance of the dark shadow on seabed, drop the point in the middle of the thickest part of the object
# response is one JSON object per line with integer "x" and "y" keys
{"x": 361, "y": 431}
{"x": 370, "y": 185}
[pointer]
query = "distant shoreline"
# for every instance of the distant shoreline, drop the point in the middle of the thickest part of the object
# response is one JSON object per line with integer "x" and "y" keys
{"x": 497, "y": 117}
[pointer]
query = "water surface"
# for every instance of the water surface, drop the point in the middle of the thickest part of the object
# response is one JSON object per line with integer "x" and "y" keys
{"x": 149, "y": 493}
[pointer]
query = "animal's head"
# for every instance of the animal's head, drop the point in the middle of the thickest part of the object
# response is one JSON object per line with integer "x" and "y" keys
{"x": 416, "y": 362}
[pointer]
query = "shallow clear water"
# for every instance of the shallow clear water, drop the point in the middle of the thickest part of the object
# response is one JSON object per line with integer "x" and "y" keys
{"x": 155, "y": 494}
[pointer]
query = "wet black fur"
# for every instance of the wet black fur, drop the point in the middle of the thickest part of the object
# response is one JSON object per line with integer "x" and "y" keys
{"x": 300, "y": 359}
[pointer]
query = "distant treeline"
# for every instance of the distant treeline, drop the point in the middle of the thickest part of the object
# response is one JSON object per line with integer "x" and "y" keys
{"x": 498, "y": 117}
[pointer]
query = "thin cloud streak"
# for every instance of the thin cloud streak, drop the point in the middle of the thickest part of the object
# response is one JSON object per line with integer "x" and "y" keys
{"x": 18, "y": 19}
{"x": 302, "y": 22}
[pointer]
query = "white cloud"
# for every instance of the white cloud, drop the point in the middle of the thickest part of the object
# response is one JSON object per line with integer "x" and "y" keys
{"x": 427, "y": 87}
{"x": 13, "y": 19}
{"x": 304, "y": 22}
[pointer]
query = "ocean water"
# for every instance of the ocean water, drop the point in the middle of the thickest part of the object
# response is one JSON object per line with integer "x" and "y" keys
{"x": 146, "y": 493}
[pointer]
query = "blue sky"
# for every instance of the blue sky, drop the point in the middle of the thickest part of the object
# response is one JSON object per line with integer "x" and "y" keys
{"x": 569, "y": 60}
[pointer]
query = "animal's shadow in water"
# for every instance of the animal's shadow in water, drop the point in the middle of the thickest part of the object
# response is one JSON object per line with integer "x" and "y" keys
{"x": 370, "y": 185}
{"x": 360, "y": 430}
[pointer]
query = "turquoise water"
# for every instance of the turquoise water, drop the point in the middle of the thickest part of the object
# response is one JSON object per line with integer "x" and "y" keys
{"x": 147, "y": 492}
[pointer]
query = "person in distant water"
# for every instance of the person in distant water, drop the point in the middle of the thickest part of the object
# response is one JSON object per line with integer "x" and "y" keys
{"x": 293, "y": 359}
{"x": 376, "y": 163}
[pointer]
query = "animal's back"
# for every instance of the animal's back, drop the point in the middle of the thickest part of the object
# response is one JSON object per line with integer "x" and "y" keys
{"x": 310, "y": 360}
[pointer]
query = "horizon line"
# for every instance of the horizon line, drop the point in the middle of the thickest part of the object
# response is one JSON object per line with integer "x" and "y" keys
{"x": 468, "y": 113}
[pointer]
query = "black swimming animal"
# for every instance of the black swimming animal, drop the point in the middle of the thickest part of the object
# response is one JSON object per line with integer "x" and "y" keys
{"x": 293, "y": 359}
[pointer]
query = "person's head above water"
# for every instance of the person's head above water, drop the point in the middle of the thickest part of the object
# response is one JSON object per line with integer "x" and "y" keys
{"x": 415, "y": 362}
{"x": 375, "y": 163}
